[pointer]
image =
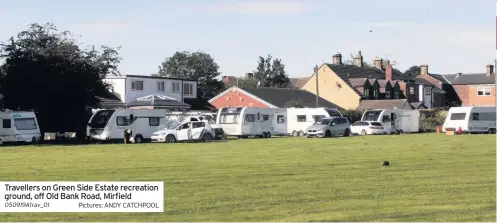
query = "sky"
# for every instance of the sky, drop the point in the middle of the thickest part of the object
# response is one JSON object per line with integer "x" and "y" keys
{"x": 449, "y": 36}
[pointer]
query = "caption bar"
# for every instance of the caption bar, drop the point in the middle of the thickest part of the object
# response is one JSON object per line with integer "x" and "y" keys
{"x": 31, "y": 196}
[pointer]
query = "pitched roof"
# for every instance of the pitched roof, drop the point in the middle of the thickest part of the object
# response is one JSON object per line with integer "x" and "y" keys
{"x": 439, "y": 78}
{"x": 110, "y": 101}
{"x": 470, "y": 79}
{"x": 199, "y": 104}
{"x": 299, "y": 82}
{"x": 383, "y": 83}
{"x": 280, "y": 96}
{"x": 383, "y": 104}
{"x": 357, "y": 82}
{"x": 345, "y": 71}
{"x": 427, "y": 83}
{"x": 417, "y": 105}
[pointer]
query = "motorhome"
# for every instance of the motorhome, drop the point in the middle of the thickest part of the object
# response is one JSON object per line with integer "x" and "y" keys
{"x": 299, "y": 119}
{"x": 394, "y": 120}
{"x": 111, "y": 124}
{"x": 248, "y": 121}
{"x": 470, "y": 119}
{"x": 19, "y": 126}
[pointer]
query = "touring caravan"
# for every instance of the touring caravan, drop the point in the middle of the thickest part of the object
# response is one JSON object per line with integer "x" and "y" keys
{"x": 19, "y": 126}
{"x": 471, "y": 119}
{"x": 299, "y": 119}
{"x": 110, "y": 124}
{"x": 394, "y": 120}
{"x": 247, "y": 121}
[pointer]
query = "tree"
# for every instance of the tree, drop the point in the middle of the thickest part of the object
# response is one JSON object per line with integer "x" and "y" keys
{"x": 271, "y": 73}
{"x": 46, "y": 71}
{"x": 295, "y": 103}
{"x": 247, "y": 82}
{"x": 198, "y": 66}
{"x": 413, "y": 71}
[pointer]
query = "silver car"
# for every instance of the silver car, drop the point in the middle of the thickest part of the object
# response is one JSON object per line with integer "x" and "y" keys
{"x": 328, "y": 127}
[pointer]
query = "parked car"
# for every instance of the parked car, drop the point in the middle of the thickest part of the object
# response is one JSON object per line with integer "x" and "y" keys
{"x": 367, "y": 128}
{"x": 186, "y": 131}
{"x": 328, "y": 127}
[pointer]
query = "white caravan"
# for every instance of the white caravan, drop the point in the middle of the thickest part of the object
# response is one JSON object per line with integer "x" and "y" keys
{"x": 247, "y": 121}
{"x": 471, "y": 119}
{"x": 110, "y": 124}
{"x": 394, "y": 120}
{"x": 19, "y": 126}
{"x": 299, "y": 119}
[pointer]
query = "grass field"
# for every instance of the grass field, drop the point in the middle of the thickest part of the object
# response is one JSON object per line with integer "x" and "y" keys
{"x": 431, "y": 178}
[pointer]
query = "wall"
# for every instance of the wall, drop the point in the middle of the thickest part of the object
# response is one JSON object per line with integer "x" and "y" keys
{"x": 342, "y": 95}
{"x": 118, "y": 87}
{"x": 232, "y": 99}
{"x": 150, "y": 87}
{"x": 469, "y": 95}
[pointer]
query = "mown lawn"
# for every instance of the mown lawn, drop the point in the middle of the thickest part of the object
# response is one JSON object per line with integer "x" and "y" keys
{"x": 431, "y": 178}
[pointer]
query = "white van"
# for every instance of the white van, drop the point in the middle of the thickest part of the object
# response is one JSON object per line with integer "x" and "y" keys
{"x": 394, "y": 120}
{"x": 19, "y": 126}
{"x": 471, "y": 119}
{"x": 299, "y": 119}
{"x": 110, "y": 124}
{"x": 248, "y": 121}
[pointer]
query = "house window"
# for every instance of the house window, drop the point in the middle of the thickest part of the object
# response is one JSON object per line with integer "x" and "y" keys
{"x": 411, "y": 90}
{"x": 387, "y": 94}
{"x": 137, "y": 85}
{"x": 301, "y": 118}
{"x": 396, "y": 94}
{"x": 366, "y": 92}
{"x": 483, "y": 91}
{"x": 188, "y": 89}
{"x": 175, "y": 86}
{"x": 6, "y": 123}
{"x": 427, "y": 90}
{"x": 160, "y": 86}
{"x": 375, "y": 93}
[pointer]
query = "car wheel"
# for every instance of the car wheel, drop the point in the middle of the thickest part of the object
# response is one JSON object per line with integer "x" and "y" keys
{"x": 327, "y": 133}
{"x": 301, "y": 133}
{"x": 207, "y": 137}
{"x": 33, "y": 140}
{"x": 138, "y": 139}
{"x": 346, "y": 133}
{"x": 363, "y": 132}
{"x": 1, "y": 142}
{"x": 170, "y": 139}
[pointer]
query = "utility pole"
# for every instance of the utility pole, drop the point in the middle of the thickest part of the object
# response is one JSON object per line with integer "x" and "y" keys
{"x": 317, "y": 85}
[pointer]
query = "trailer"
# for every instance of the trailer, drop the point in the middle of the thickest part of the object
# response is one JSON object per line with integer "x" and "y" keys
{"x": 299, "y": 119}
{"x": 19, "y": 126}
{"x": 246, "y": 122}
{"x": 471, "y": 119}
{"x": 394, "y": 120}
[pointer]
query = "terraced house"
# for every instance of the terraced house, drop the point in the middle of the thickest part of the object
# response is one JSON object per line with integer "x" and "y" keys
{"x": 350, "y": 85}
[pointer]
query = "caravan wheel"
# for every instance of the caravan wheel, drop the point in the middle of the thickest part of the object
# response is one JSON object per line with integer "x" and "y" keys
{"x": 301, "y": 133}
{"x": 138, "y": 139}
{"x": 295, "y": 133}
{"x": 268, "y": 134}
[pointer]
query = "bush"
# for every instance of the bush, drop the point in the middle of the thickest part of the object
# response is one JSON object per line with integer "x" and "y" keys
{"x": 352, "y": 115}
{"x": 431, "y": 118}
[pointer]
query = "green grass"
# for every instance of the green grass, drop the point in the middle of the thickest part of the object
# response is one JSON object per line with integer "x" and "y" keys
{"x": 431, "y": 178}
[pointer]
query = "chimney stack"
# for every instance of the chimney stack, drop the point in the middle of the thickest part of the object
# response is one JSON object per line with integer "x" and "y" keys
{"x": 388, "y": 71}
{"x": 358, "y": 59}
{"x": 249, "y": 75}
{"x": 423, "y": 69}
{"x": 378, "y": 63}
{"x": 337, "y": 59}
{"x": 490, "y": 69}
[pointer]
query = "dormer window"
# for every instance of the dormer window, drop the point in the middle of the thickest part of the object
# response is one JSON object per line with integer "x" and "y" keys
{"x": 395, "y": 94}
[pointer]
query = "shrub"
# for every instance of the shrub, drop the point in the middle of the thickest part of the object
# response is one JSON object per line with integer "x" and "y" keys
{"x": 431, "y": 118}
{"x": 352, "y": 115}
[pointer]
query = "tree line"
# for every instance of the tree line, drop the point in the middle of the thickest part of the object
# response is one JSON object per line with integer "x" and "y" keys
{"x": 46, "y": 70}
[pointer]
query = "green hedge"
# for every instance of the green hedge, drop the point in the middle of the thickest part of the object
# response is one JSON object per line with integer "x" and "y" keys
{"x": 431, "y": 118}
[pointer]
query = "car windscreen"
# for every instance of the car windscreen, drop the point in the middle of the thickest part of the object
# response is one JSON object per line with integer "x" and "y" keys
{"x": 323, "y": 121}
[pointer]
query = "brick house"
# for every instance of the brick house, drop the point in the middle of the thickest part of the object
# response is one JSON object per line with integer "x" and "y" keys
{"x": 266, "y": 97}
{"x": 474, "y": 89}
{"x": 348, "y": 85}
{"x": 449, "y": 98}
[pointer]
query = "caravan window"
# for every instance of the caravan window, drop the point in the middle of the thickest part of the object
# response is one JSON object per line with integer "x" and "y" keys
{"x": 122, "y": 121}
{"x": 386, "y": 118}
{"x": 25, "y": 124}
{"x": 484, "y": 116}
{"x": 229, "y": 118}
{"x": 265, "y": 117}
{"x": 301, "y": 118}
{"x": 154, "y": 121}
{"x": 249, "y": 118}
{"x": 280, "y": 119}
{"x": 317, "y": 117}
{"x": 371, "y": 115}
{"x": 457, "y": 116}
{"x": 7, "y": 124}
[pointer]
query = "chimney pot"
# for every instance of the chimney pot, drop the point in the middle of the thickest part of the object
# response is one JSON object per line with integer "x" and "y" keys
{"x": 358, "y": 60}
{"x": 490, "y": 69}
{"x": 337, "y": 59}
{"x": 423, "y": 69}
{"x": 378, "y": 63}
